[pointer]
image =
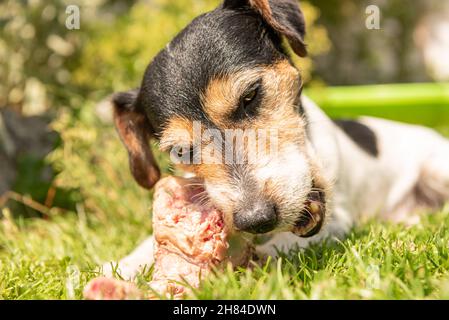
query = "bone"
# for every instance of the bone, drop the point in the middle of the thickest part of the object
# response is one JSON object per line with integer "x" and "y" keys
{"x": 191, "y": 237}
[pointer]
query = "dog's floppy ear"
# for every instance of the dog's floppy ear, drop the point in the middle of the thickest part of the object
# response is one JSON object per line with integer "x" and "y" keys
{"x": 284, "y": 16}
{"x": 135, "y": 131}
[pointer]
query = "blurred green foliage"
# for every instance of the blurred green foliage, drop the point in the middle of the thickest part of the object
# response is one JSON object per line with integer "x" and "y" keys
{"x": 92, "y": 163}
{"x": 391, "y": 54}
{"x": 116, "y": 55}
{"x": 38, "y": 53}
{"x": 44, "y": 65}
{"x": 35, "y": 50}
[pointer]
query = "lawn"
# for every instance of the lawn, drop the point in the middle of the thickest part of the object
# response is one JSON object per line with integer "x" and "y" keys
{"x": 54, "y": 259}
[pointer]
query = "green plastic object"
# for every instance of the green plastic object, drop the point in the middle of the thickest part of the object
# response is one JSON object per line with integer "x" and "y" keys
{"x": 420, "y": 103}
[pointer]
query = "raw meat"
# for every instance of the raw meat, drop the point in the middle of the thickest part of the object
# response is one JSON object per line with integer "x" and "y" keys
{"x": 190, "y": 239}
{"x": 190, "y": 235}
{"x": 111, "y": 289}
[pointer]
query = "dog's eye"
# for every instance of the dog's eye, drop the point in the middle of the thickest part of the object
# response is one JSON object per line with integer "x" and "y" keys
{"x": 248, "y": 103}
{"x": 249, "y": 97}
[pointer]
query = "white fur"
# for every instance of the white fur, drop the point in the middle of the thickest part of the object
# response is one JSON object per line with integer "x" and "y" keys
{"x": 289, "y": 173}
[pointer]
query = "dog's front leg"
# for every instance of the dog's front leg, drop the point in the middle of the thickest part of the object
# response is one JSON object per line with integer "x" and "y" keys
{"x": 142, "y": 257}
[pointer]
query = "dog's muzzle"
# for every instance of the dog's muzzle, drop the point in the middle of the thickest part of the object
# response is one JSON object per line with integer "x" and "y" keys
{"x": 260, "y": 218}
{"x": 312, "y": 216}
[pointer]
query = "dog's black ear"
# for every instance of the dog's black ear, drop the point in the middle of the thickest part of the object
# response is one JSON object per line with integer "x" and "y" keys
{"x": 135, "y": 131}
{"x": 284, "y": 16}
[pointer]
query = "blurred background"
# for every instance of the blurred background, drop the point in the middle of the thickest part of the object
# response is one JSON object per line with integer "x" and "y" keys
{"x": 58, "y": 149}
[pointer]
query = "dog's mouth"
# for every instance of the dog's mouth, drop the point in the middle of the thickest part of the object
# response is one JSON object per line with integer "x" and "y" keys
{"x": 312, "y": 216}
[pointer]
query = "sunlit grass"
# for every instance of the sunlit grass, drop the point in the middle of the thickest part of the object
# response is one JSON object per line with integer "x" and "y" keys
{"x": 376, "y": 261}
{"x": 54, "y": 259}
{"x": 55, "y": 233}
{"x": 53, "y": 254}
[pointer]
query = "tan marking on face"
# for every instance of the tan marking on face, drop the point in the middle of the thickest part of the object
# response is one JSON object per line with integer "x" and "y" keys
{"x": 223, "y": 94}
{"x": 178, "y": 131}
{"x": 280, "y": 85}
{"x": 277, "y": 110}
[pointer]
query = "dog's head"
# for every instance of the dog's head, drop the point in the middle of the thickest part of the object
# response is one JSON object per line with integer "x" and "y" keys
{"x": 227, "y": 79}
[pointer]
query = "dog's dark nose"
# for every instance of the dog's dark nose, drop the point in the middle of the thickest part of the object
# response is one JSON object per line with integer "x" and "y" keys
{"x": 260, "y": 218}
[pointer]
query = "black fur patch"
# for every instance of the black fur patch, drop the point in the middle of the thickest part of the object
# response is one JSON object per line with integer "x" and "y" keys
{"x": 125, "y": 100}
{"x": 217, "y": 43}
{"x": 361, "y": 134}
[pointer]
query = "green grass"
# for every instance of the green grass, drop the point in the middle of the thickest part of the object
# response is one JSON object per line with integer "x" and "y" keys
{"x": 52, "y": 254}
{"x": 54, "y": 259}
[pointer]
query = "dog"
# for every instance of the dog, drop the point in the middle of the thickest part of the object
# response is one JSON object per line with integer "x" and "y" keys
{"x": 230, "y": 69}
